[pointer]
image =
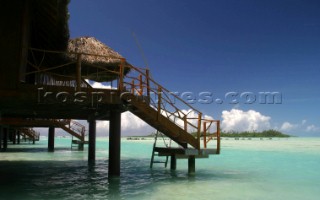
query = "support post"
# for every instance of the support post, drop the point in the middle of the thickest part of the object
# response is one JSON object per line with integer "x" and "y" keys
{"x": 14, "y": 137}
{"x": 191, "y": 164}
{"x": 18, "y": 136}
{"x": 1, "y": 137}
{"x": 51, "y": 134}
{"x": 173, "y": 162}
{"x": 10, "y": 135}
{"x": 92, "y": 140}
{"x": 218, "y": 137}
{"x": 5, "y": 138}
{"x": 115, "y": 143}
{"x": 205, "y": 135}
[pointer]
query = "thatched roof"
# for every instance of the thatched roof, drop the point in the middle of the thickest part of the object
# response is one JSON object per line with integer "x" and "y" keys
{"x": 90, "y": 45}
{"x": 50, "y": 31}
{"x": 102, "y": 64}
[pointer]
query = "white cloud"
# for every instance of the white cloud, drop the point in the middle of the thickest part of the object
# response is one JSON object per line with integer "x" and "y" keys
{"x": 239, "y": 120}
{"x": 312, "y": 128}
{"x": 130, "y": 124}
{"x": 98, "y": 85}
{"x": 287, "y": 126}
{"x": 298, "y": 127}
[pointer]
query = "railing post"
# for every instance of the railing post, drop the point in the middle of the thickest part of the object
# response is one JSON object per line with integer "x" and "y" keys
{"x": 78, "y": 72}
{"x": 132, "y": 87}
{"x": 199, "y": 129}
{"x": 140, "y": 85}
{"x": 185, "y": 122}
{"x": 159, "y": 100}
{"x": 205, "y": 134}
{"x": 121, "y": 72}
{"x": 218, "y": 137}
{"x": 148, "y": 83}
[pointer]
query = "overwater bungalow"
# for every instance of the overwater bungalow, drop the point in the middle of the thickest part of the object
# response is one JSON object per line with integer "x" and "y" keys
{"x": 44, "y": 82}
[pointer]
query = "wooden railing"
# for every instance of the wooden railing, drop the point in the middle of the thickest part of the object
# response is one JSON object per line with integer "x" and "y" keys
{"x": 211, "y": 130}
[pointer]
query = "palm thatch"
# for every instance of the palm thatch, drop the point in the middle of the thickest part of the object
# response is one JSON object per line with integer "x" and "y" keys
{"x": 103, "y": 63}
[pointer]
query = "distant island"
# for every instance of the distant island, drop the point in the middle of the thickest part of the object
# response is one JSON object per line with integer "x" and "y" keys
{"x": 248, "y": 134}
{"x": 266, "y": 133}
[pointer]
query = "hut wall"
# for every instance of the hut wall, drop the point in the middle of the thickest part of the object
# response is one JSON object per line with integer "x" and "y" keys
{"x": 11, "y": 22}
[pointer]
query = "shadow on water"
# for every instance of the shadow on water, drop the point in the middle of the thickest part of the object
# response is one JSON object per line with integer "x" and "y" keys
{"x": 77, "y": 179}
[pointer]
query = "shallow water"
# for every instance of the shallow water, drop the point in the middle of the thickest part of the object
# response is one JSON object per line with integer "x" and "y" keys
{"x": 246, "y": 169}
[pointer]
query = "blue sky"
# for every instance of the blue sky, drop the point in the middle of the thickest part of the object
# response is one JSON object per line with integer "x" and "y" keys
{"x": 220, "y": 46}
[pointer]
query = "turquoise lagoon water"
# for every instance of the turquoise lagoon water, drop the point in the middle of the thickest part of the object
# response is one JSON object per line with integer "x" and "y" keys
{"x": 246, "y": 169}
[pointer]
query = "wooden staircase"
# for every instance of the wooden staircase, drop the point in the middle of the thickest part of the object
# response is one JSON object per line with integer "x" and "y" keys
{"x": 30, "y": 134}
{"x": 166, "y": 112}
{"x": 72, "y": 127}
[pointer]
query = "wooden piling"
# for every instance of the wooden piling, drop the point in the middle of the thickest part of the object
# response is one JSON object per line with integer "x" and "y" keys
{"x": 92, "y": 140}
{"x": 191, "y": 164}
{"x": 14, "y": 137}
{"x": 51, "y": 134}
{"x": 1, "y": 138}
{"x": 173, "y": 162}
{"x": 5, "y": 139}
{"x": 115, "y": 143}
{"x": 18, "y": 137}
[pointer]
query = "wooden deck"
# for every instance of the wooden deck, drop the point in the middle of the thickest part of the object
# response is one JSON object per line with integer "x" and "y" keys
{"x": 53, "y": 102}
{"x": 185, "y": 153}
